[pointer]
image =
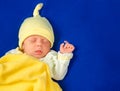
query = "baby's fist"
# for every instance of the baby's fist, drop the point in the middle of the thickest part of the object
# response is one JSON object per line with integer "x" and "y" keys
{"x": 66, "y": 47}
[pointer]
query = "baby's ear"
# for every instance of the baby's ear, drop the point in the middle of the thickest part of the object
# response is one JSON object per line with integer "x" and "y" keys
{"x": 22, "y": 46}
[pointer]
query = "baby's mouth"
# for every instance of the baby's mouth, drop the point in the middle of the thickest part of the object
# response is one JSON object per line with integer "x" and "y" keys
{"x": 38, "y": 52}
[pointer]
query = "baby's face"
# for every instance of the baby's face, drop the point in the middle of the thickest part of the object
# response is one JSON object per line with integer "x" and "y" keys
{"x": 36, "y": 46}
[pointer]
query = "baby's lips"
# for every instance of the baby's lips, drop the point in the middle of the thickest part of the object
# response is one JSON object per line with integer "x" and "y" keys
{"x": 38, "y": 52}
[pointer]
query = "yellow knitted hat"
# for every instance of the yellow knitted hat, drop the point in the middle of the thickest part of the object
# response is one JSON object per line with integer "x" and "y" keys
{"x": 36, "y": 25}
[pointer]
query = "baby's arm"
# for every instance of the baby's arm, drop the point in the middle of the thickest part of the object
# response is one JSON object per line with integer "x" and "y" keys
{"x": 63, "y": 59}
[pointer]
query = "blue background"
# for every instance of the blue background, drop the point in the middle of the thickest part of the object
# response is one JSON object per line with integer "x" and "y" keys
{"x": 93, "y": 26}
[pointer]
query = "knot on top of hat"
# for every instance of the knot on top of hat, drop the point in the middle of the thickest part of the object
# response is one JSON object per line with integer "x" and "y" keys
{"x": 37, "y": 8}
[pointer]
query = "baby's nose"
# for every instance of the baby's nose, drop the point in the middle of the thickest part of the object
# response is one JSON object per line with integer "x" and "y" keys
{"x": 39, "y": 43}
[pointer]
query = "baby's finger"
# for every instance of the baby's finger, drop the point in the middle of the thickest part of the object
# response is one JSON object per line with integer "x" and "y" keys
{"x": 72, "y": 47}
{"x": 67, "y": 45}
{"x": 66, "y": 42}
{"x": 62, "y": 45}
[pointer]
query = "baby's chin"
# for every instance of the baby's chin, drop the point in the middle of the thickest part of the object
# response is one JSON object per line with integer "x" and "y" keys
{"x": 38, "y": 56}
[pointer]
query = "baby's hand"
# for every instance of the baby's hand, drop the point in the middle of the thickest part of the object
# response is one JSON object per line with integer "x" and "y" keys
{"x": 66, "y": 47}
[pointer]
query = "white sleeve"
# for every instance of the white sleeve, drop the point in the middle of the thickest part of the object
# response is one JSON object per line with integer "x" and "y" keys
{"x": 58, "y": 64}
{"x": 13, "y": 51}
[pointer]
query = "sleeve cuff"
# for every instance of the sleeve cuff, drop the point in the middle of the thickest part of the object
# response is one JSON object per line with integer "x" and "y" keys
{"x": 65, "y": 56}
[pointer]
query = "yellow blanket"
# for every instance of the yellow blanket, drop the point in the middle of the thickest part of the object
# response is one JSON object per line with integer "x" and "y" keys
{"x": 19, "y": 72}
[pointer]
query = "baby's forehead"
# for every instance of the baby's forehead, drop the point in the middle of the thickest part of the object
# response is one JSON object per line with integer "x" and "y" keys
{"x": 35, "y": 36}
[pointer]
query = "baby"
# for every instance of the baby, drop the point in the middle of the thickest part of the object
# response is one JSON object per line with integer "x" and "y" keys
{"x": 36, "y": 39}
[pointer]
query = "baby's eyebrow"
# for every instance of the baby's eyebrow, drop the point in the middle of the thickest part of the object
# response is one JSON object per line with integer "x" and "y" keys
{"x": 32, "y": 38}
